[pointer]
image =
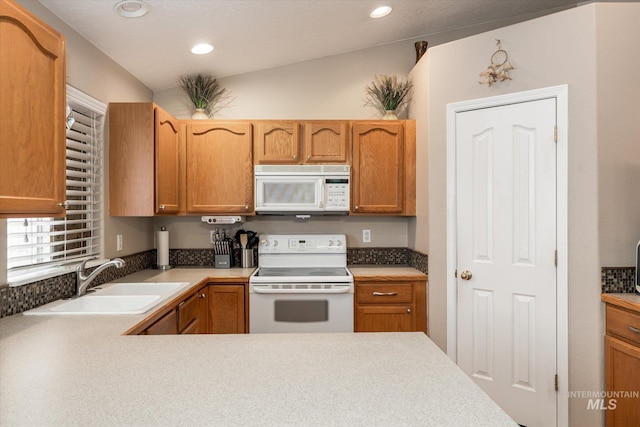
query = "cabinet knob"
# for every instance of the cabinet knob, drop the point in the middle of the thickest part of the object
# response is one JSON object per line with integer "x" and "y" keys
{"x": 246, "y": 207}
{"x": 408, "y": 310}
{"x": 309, "y": 157}
{"x": 202, "y": 296}
{"x": 162, "y": 207}
{"x": 294, "y": 157}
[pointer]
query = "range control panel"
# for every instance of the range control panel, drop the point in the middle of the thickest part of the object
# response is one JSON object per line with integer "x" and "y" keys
{"x": 307, "y": 243}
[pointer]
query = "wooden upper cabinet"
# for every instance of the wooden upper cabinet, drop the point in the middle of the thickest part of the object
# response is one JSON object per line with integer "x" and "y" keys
{"x": 219, "y": 166}
{"x": 167, "y": 144}
{"x": 321, "y": 141}
{"x": 378, "y": 168}
{"x": 277, "y": 142}
{"x": 383, "y": 168}
{"x": 32, "y": 115}
{"x": 144, "y": 143}
{"x": 326, "y": 142}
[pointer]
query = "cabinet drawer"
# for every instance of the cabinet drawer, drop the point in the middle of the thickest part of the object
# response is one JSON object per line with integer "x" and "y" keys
{"x": 188, "y": 311}
{"x": 623, "y": 323}
{"x": 167, "y": 325}
{"x": 384, "y": 294}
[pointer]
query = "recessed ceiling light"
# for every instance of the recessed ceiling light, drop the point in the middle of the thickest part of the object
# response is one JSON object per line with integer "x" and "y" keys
{"x": 131, "y": 8}
{"x": 202, "y": 48}
{"x": 381, "y": 11}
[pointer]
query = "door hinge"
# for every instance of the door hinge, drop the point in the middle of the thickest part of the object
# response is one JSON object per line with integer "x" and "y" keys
{"x": 555, "y": 133}
{"x": 455, "y": 273}
{"x": 555, "y": 258}
{"x": 556, "y": 382}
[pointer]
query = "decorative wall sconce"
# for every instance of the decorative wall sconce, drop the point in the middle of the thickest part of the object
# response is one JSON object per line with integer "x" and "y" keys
{"x": 498, "y": 70}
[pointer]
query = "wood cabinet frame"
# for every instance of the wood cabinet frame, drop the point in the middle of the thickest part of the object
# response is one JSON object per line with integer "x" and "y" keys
{"x": 32, "y": 115}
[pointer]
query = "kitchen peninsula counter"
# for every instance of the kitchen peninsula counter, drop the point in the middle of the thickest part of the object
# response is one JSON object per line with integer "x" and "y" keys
{"x": 81, "y": 370}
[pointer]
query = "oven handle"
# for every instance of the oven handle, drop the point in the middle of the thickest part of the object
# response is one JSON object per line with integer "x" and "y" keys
{"x": 267, "y": 290}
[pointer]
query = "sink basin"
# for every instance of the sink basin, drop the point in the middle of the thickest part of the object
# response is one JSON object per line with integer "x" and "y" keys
{"x": 107, "y": 304}
{"x": 152, "y": 288}
{"x": 114, "y": 298}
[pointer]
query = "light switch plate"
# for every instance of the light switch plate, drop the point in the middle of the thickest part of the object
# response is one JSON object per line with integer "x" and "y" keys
{"x": 119, "y": 242}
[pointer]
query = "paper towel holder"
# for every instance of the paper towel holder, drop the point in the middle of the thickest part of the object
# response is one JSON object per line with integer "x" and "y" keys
{"x": 167, "y": 266}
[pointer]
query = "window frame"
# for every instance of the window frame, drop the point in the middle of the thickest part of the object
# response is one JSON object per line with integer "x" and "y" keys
{"x": 29, "y": 274}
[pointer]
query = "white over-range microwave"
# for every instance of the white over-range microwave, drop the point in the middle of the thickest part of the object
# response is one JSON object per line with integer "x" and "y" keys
{"x": 302, "y": 189}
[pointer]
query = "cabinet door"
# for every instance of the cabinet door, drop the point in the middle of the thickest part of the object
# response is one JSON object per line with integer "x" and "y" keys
{"x": 167, "y": 325}
{"x": 326, "y": 142}
{"x": 378, "y": 168}
{"x": 219, "y": 167}
{"x": 192, "y": 314}
{"x": 277, "y": 142}
{"x": 623, "y": 375}
{"x": 32, "y": 115}
{"x": 131, "y": 159}
{"x": 226, "y": 309}
{"x": 384, "y": 318}
{"x": 167, "y": 143}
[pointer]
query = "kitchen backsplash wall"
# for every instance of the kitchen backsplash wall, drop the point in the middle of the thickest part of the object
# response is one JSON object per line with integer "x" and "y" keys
{"x": 618, "y": 280}
{"x": 17, "y": 299}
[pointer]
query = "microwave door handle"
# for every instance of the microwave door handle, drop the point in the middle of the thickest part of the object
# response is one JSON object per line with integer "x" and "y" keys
{"x": 323, "y": 193}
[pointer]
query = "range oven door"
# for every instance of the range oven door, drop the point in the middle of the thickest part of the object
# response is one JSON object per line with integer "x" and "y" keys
{"x": 301, "y": 308}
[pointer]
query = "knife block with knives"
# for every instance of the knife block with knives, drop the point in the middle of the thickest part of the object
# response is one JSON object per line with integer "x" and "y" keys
{"x": 224, "y": 248}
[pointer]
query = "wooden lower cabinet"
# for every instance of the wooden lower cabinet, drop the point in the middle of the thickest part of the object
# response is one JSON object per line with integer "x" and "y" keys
{"x": 192, "y": 314}
{"x": 226, "y": 309}
{"x": 622, "y": 366}
{"x": 167, "y": 325}
{"x": 215, "y": 308}
{"x": 390, "y": 306}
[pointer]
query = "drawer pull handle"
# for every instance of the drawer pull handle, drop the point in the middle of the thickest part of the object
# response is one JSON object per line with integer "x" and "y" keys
{"x": 385, "y": 294}
{"x": 633, "y": 329}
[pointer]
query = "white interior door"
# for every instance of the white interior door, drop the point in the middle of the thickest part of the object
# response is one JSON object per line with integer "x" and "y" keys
{"x": 506, "y": 255}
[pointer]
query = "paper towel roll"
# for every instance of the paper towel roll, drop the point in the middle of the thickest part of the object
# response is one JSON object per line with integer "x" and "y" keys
{"x": 163, "y": 248}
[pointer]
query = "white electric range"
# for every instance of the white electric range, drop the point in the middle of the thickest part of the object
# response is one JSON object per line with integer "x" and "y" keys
{"x": 301, "y": 285}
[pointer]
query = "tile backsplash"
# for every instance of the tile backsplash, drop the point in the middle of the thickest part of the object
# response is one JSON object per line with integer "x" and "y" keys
{"x": 618, "y": 280}
{"x": 17, "y": 299}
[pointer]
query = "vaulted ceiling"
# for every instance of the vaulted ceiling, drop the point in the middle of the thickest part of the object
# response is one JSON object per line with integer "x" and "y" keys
{"x": 251, "y": 35}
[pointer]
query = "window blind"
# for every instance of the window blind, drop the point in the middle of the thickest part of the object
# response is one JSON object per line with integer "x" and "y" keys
{"x": 38, "y": 244}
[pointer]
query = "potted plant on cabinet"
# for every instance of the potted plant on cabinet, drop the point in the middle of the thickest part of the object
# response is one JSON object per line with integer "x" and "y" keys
{"x": 206, "y": 93}
{"x": 389, "y": 95}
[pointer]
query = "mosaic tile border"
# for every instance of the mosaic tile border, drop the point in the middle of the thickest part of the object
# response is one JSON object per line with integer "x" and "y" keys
{"x": 618, "y": 280}
{"x": 17, "y": 299}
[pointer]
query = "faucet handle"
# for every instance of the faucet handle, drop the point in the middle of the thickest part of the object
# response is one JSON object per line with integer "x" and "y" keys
{"x": 81, "y": 267}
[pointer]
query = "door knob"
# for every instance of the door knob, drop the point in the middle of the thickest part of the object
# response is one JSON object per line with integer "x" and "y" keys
{"x": 466, "y": 275}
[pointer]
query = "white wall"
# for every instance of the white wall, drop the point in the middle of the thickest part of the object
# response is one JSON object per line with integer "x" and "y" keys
{"x": 552, "y": 50}
{"x": 618, "y": 132}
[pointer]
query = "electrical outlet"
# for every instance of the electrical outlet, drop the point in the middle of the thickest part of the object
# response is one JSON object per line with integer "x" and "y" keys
{"x": 119, "y": 242}
{"x": 211, "y": 234}
{"x": 366, "y": 236}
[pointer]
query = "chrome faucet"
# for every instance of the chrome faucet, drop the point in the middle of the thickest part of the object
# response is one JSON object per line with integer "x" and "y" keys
{"x": 83, "y": 280}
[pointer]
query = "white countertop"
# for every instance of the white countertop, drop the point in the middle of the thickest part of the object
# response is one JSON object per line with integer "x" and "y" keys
{"x": 80, "y": 370}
